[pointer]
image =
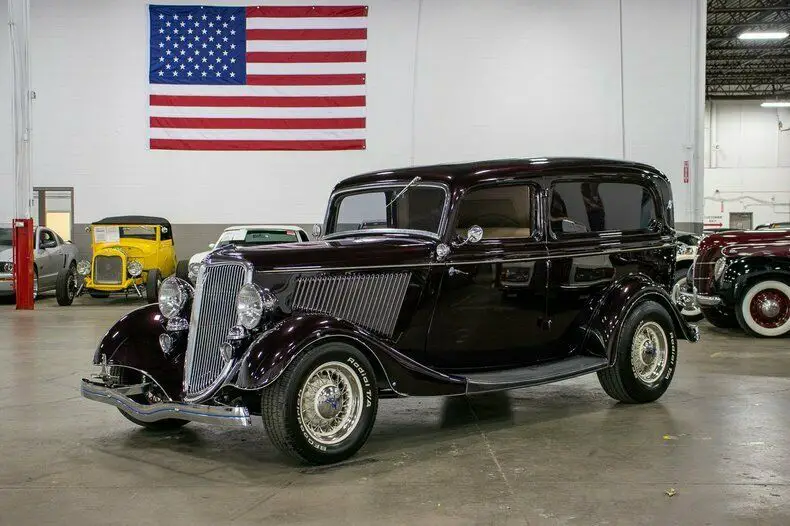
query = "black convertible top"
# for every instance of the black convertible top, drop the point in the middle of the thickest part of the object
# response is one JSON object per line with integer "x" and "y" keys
{"x": 134, "y": 220}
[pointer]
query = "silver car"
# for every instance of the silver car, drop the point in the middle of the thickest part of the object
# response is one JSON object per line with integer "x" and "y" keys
{"x": 52, "y": 255}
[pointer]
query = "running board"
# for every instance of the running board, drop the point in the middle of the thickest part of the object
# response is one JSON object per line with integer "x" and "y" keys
{"x": 534, "y": 374}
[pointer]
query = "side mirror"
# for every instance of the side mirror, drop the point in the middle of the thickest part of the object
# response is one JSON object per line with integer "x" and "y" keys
{"x": 316, "y": 231}
{"x": 473, "y": 235}
{"x": 211, "y": 246}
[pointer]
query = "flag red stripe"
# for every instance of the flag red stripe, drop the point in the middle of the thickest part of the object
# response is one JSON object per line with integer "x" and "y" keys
{"x": 307, "y": 11}
{"x": 183, "y": 144}
{"x": 257, "y": 124}
{"x": 307, "y": 34}
{"x": 306, "y": 80}
{"x": 305, "y": 56}
{"x": 257, "y": 102}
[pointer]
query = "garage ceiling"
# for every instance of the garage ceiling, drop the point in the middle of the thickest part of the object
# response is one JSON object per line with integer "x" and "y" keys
{"x": 754, "y": 69}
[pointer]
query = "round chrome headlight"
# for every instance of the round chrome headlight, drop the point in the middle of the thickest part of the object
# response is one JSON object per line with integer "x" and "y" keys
{"x": 135, "y": 268}
{"x": 173, "y": 296}
{"x": 719, "y": 267}
{"x": 251, "y": 303}
{"x": 194, "y": 268}
{"x": 84, "y": 268}
{"x": 7, "y": 267}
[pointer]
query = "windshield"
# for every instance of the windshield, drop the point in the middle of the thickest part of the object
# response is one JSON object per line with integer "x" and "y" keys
{"x": 419, "y": 208}
{"x": 249, "y": 238}
{"x": 5, "y": 237}
{"x": 114, "y": 233}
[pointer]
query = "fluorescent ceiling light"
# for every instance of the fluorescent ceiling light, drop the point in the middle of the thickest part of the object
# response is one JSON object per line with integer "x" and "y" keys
{"x": 776, "y": 104}
{"x": 763, "y": 35}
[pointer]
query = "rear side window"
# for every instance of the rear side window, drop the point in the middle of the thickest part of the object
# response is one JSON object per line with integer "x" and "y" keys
{"x": 502, "y": 211}
{"x": 580, "y": 207}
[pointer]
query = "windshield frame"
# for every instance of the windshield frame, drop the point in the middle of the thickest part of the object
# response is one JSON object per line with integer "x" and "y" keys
{"x": 395, "y": 185}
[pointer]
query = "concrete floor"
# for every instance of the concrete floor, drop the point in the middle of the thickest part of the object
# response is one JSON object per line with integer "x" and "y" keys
{"x": 558, "y": 454}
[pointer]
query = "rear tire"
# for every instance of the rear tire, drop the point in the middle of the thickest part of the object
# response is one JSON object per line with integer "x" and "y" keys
{"x": 718, "y": 317}
{"x": 646, "y": 355}
{"x": 152, "y": 285}
{"x": 182, "y": 270}
{"x": 764, "y": 309}
{"x": 66, "y": 286}
{"x": 322, "y": 408}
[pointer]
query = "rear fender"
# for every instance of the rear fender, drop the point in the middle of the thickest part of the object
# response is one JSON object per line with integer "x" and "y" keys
{"x": 622, "y": 297}
{"x": 134, "y": 342}
{"x": 270, "y": 354}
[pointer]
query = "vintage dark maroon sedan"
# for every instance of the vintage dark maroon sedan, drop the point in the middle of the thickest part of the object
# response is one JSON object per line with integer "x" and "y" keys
{"x": 438, "y": 280}
{"x": 743, "y": 278}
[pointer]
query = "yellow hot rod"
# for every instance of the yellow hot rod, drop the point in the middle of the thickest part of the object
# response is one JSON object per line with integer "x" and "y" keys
{"x": 131, "y": 255}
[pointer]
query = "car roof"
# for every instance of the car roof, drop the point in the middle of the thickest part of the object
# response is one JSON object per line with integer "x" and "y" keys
{"x": 134, "y": 220}
{"x": 265, "y": 227}
{"x": 471, "y": 173}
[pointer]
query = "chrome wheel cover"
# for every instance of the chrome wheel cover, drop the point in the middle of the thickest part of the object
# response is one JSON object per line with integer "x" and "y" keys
{"x": 649, "y": 352}
{"x": 684, "y": 309}
{"x": 330, "y": 403}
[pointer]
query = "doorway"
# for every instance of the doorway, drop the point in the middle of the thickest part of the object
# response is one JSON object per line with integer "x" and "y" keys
{"x": 741, "y": 220}
{"x": 53, "y": 207}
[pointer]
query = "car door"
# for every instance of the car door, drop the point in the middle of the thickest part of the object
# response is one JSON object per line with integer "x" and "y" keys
{"x": 601, "y": 228}
{"x": 491, "y": 302}
{"x": 47, "y": 258}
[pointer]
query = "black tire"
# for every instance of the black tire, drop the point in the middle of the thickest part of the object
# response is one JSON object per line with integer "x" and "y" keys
{"x": 721, "y": 318}
{"x": 621, "y": 381}
{"x": 152, "y": 285}
{"x": 170, "y": 424}
{"x": 182, "y": 270}
{"x": 95, "y": 294}
{"x": 681, "y": 275}
{"x": 35, "y": 283}
{"x": 280, "y": 401}
{"x": 66, "y": 286}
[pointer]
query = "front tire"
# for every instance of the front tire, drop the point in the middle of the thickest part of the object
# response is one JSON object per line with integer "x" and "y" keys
{"x": 66, "y": 286}
{"x": 646, "y": 355}
{"x": 692, "y": 313}
{"x": 764, "y": 309}
{"x": 182, "y": 269}
{"x": 322, "y": 408}
{"x": 152, "y": 285}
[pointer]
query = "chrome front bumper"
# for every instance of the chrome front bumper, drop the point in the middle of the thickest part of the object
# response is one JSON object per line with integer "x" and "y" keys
{"x": 207, "y": 414}
{"x": 700, "y": 299}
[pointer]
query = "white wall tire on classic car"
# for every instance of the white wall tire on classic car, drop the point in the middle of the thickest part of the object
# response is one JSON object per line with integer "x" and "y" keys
{"x": 693, "y": 312}
{"x": 764, "y": 309}
{"x": 322, "y": 408}
{"x": 645, "y": 356}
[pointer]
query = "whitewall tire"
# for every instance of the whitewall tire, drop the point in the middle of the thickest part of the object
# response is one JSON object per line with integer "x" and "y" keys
{"x": 764, "y": 309}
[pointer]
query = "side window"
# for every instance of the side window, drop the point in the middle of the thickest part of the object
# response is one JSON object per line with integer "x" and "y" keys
{"x": 46, "y": 236}
{"x": 578, "y": 207}
{"x": 502, "y": 211}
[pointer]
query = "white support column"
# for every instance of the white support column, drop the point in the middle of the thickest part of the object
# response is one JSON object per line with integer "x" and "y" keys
{"x": 699, "y": 41}
{"x": 19, "y": 33}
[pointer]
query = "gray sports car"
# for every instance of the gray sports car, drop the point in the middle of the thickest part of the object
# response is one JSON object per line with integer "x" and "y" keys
{"x": 52, "y": 255}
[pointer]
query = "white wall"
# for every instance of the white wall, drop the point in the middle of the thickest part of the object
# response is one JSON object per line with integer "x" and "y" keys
{"x": 493, "y": 79}
{"x": 747, "y": 162}
{"x": 6, "y": 127}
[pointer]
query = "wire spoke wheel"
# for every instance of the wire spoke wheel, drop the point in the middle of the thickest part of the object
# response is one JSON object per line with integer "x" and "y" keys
{"x": 649, "y": 352}
{"x": 330, "y": 403}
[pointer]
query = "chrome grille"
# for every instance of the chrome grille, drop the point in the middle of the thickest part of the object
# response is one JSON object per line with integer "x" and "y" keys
{"x": 107, "y": 269}
{"x": 370, "y": 300}
{"x": 213, "y": 313}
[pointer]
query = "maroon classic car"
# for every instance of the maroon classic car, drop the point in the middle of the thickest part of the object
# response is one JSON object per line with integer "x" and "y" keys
{"x": 438, "y": 280}
{"x": 743, "y": 278}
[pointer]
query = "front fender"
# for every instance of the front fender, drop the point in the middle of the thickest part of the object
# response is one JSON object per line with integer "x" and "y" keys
{"x": 743, "y": 271}
{"x": 134, "y": 342}
{"x": 618, "y": 302}
{"x": 270, "y": 354}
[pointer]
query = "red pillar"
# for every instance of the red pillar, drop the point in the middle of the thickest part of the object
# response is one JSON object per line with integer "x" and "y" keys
{"x": 23, "y": 263}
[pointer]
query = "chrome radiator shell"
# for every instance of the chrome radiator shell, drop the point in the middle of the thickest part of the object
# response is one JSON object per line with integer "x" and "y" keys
{"x": 371, "y": 300}
{"x": 213, "y": 313}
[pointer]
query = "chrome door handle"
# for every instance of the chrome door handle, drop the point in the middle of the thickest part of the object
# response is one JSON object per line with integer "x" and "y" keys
{"x": 452, "y": 271}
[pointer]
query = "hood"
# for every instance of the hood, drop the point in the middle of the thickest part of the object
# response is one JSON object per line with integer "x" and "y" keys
{"x": 745, "y": 243}
{"x": 357, "y": 251}
{"x": 6, "y": 254}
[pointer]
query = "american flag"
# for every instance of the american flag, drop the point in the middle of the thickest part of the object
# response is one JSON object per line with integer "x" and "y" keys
{"x": 257, "y": 78}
